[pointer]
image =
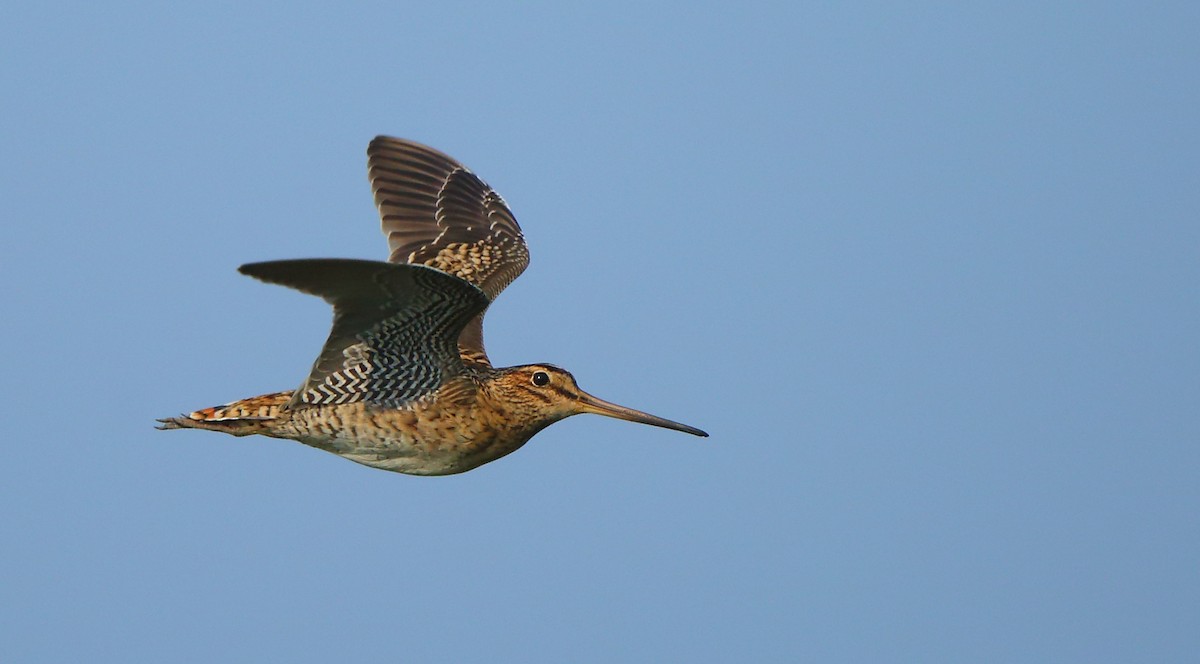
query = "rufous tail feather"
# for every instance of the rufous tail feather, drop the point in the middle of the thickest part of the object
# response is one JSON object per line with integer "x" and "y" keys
{"x": 240, "y": 418}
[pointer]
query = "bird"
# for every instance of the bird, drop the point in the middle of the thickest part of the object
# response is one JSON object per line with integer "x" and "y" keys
{"x": 403, "y": 383}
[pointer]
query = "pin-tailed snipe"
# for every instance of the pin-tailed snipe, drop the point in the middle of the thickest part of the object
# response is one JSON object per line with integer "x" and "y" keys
{"x": 403, "y": 382}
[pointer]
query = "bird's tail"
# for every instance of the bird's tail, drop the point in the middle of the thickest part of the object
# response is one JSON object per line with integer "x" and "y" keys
{"x": 239, "y": 418}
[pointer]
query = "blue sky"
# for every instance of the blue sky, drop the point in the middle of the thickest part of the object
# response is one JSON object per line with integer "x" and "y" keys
{"x": 927, "y": 273}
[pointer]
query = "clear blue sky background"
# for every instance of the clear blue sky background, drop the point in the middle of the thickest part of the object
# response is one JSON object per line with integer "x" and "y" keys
{"x": 927, "y": 273}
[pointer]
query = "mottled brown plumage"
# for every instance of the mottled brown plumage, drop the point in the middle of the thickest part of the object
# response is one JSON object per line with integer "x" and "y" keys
{"x": 403, "y": 383}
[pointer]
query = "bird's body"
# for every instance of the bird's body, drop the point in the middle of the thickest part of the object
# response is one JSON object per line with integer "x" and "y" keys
{"x": 464, "y": 425}
{"x": 404, "y": 383}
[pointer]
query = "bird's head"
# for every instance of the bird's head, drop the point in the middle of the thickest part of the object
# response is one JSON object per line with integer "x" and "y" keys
{"x": 551, "y": 394}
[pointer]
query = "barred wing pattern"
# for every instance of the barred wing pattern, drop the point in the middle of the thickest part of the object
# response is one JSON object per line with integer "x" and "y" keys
{"x": 394, "y": 328}
{"x": 436, "y": 212}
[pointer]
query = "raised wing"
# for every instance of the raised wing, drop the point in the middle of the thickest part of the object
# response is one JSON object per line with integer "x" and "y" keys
{"x": 394, "y": 327}
{"x": 437, "y": 213}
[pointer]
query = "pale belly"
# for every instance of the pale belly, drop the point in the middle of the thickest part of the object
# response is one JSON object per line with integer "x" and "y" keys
{"x": 403, "y": 441}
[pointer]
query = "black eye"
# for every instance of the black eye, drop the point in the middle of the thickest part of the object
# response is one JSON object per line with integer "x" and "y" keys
{"x": 541, "y": 378}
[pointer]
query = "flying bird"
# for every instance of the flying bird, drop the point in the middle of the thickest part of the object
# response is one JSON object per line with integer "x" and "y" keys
{"x": 403, "y": 383}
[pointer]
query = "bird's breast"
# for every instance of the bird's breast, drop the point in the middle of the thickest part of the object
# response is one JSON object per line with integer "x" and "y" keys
{"x": 422, "y": 439}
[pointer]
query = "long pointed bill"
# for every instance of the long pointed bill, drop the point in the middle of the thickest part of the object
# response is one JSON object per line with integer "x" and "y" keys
{"x": 590, "y": 404}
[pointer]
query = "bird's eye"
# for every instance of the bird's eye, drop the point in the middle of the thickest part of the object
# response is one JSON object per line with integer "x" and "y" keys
{"x": 541, "y": 378}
